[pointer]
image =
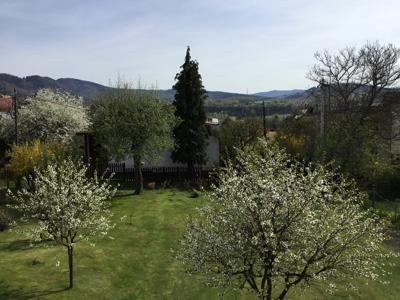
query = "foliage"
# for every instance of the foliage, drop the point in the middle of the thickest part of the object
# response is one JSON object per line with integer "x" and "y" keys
{"x": 294, "y": 144}
{"x": 239, "y": 134}
{"x": 297, "y": 135}
{"x": 274, "y": 224}
{"x": 191, "y": 133}
{"x": 6, "y": 130}
{"x": 252, "y": 108}
{"x": 387, "y": 183}
{"x": 132, "y": 122}
{"x": 24, "y": 158}
{"x": 69, "y": 206}
{"x": 358, "y": 150}
{"x": 352, "y": 121}
{"x": 48, "y": 115}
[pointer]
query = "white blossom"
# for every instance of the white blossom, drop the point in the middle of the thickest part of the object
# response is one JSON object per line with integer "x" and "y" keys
{"x": 54, "y": 115}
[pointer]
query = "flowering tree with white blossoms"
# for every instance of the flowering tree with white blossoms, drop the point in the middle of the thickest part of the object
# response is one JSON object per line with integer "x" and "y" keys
{"x": 273, "y": 224}
{"x": 68, "y": 205}
{"x": 49, "y": 115}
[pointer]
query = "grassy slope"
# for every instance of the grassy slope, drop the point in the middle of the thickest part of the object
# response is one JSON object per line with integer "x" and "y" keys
{"x": 134, "y": 262}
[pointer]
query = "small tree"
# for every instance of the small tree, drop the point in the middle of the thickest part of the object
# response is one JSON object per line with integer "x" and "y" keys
{"x": 191, "y": 134}
{"x": 274, "y": 224}
{"x": 135, "y": 123}
{"x": 69, "y": 206}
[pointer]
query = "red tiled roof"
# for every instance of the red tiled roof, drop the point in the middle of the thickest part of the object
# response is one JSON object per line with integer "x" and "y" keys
{"x": 5, "y": 103}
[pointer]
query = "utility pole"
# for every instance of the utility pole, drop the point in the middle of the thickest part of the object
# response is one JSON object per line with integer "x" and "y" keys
{"x": 322, "y": 109}
{"x": 264, "y": 122}
{"x": 328, "y": 111}
{"x": 15, "y": 115}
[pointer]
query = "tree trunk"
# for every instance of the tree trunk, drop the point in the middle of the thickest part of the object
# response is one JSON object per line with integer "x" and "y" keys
{"x": 71, "y": 266}
{"x": 138, "y": 175}
{"x": 263, "y": 295}
{"x": 269, "y": 288}
{"x": 283, "y": 293}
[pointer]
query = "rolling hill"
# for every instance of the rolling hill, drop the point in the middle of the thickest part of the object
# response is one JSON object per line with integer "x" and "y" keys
{"x": 280, "y": 94}
{"x": 27, "y": 86}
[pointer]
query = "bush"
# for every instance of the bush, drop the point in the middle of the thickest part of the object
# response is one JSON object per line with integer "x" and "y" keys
{"x": 388, "y": 185}
{"x": 24, "y": 158}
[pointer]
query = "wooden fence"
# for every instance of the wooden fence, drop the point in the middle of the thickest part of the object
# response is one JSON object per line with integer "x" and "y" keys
{"x": 155, "y": 174}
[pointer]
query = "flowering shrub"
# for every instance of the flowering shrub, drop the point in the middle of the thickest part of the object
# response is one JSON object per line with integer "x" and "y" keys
{"x": 273, "y": 224}
{"x": 24, "y": 158}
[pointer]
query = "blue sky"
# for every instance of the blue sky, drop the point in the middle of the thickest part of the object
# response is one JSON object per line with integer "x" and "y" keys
{"x": 241, "y": 46}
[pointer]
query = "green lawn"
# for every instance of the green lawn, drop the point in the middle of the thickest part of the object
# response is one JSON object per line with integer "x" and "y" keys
{"x": 134, "y": 262}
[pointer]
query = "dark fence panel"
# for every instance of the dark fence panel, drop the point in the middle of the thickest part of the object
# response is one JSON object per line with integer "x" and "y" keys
{"x": 155, "y": 174}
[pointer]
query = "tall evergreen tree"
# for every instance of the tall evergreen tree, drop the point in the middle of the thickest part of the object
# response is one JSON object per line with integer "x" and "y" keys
{"x": 191, "y": 133}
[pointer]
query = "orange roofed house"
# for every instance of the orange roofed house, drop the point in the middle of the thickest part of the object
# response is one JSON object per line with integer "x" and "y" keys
{"x": 5, "y": 103}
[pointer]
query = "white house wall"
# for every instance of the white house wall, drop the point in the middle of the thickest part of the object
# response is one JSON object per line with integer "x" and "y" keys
{"x": 166, "y": 161}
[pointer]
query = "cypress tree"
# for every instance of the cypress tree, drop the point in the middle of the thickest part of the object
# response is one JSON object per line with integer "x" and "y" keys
{"x": 191, "y": 134}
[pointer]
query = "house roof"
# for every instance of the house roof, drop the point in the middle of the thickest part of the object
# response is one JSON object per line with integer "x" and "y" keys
{"x": 5, "y": 103}
{"x": 212, "y": 121}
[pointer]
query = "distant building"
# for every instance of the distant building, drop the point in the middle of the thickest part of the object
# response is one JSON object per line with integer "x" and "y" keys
{"x": 212, "y": 121}
{"x": 212, "y": 152}
{"x": 6, "y": 103}
{"x": 165, "y": 159}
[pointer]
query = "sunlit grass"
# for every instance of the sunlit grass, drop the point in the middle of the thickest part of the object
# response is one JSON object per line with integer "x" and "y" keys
{"x": 135, "y": 261}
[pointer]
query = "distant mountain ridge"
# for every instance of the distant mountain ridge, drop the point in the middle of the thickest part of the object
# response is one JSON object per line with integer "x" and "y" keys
{"x": 279, "y": 93}
{"x": 29, "y": 85}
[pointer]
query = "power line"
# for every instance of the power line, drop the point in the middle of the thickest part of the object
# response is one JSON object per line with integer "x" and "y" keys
{"x": 264, "y": 122}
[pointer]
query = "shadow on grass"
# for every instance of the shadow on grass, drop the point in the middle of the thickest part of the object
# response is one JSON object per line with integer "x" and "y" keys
{"x": 8, "y": 292}
{"x": 21, "y": 245}
{"x": 394, "y": 240}
{"x": 123, "y": 195}
{"x": 16, "y": 245}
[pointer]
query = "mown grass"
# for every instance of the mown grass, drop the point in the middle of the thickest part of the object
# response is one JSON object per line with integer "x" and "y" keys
{"x": 135, "y": 261}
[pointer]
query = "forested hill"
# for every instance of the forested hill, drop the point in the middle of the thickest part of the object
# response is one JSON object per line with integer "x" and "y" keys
{"x": 29, "y": 85}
